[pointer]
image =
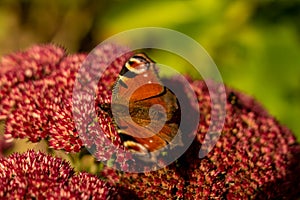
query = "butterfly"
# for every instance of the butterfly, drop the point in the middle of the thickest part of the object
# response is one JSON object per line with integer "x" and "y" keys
{"x": 146, "y": 114}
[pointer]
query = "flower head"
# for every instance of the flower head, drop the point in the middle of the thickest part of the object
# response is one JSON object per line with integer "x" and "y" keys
{"x": 255, "y": 156}
{"x": 37, "y": 88}
{"x": 39, "y": 176}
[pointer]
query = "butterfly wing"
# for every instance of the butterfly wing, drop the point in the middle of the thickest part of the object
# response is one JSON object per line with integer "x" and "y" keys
{"x": 146, "y": 114}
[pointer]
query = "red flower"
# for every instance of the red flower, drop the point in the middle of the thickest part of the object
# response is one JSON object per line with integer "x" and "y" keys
{"x": 35, "y": 175}
{"x": 255, "y": 157}
{"x": 36, "y": 95}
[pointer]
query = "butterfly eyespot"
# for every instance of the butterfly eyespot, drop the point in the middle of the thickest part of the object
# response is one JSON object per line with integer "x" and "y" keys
{"x": 131, "y": 62}
{"x": 130, "y": 143}
{"x": 141, "y": 59}
{"x": 138, "y": 63}
{"x": 136, "y": 147}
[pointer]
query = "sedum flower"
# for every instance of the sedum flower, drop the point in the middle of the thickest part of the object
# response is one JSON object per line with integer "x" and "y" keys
{"x": 35, "y": 175}
{"x": 36, "y": 95}
{"x": 15, "y": 69}
{"x": 254, "y": 158}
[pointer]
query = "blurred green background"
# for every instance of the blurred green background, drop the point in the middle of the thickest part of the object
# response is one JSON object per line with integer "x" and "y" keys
{"x": 255, "y": 44}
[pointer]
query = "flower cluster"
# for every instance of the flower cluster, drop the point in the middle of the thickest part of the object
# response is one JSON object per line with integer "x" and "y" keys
{"x": 36, "y": 95}
{"x": 35, "y": 175}
{"x": 255, "y": 157}
{"x": 93, "y": 90}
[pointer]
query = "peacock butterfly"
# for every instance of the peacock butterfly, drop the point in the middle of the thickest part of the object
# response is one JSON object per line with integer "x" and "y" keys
{"x": 146, "y": 114}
